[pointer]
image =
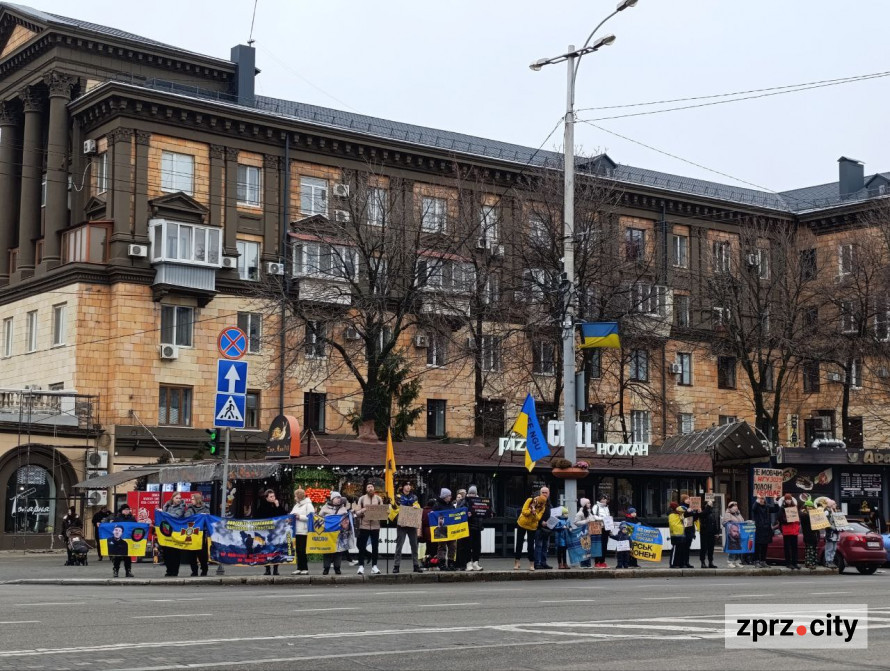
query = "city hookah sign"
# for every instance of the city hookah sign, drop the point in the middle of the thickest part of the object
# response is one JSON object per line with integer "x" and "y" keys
{"x": 584, "y": 433}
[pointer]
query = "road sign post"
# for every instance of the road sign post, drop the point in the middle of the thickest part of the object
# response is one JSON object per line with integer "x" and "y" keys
{"x": 220, "y": 570}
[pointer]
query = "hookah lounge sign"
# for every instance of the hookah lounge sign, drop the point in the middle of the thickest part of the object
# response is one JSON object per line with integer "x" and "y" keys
{"x": 584, "y": 433}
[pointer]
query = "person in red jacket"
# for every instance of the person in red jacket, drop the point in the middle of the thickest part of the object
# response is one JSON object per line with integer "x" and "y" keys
{"x": 790, "y": 530}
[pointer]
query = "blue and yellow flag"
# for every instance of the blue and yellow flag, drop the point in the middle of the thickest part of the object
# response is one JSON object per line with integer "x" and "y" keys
{"x": 527, "y": 426}
{"x": 184, "y": 533}
{"x": 600, "y": 334}
{"x": 448, "y": 525}
{"x": 123, "y": 539}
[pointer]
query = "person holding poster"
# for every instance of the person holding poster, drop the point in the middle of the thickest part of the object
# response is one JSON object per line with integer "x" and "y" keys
{"x": 602, "y": 514}
{"x": 810, "y": 535}
{"x": 789, "y": 523}
{"x": 526, "y": 524}
{"x": 175, "y": 507}
{"x": 679, "y": 546}
{"x": 197, "y": 557}
{"x": 302, "y": 511}
{"x": 731, "y": 517}
{"x": 446, "y": 554}
{"x": 368, "y": 529}
{"x": 831, "y": 534}
{"x": 478, "y": 510}
{"x": 268, "y": 508}
{"x": 123, "y": 515}
{"x": 335, "y": 505}
{"x": 760, "y": 513}
{"x": 405, "y": 497}
{"x": 583, "y": 517}
{"x": 710, "y": 529}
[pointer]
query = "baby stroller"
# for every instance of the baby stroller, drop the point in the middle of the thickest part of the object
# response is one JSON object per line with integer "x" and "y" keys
{"x": 78, "y": 549}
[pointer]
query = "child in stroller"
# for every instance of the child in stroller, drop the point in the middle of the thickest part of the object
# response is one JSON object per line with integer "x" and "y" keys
{"x": 78, "y": 549}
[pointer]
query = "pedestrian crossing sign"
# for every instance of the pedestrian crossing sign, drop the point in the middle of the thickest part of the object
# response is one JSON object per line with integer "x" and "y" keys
{"x": 230, "y": 411}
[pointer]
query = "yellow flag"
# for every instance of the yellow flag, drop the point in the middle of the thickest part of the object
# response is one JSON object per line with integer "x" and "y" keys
{"x": 529, "y": 464}
{"x": 390, "y": 472}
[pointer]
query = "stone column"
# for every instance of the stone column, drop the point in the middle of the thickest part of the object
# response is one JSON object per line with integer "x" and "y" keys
{"x": 120, "y": 193}
{"x": 56, "y": 217}
{"x": 271, "y": 213}
{"x": 230, "y": 239}
{"x": 217, "y": 184}
{"x": 140, "y": 188}
{"x": 32, "y": 172}
{"x": 9, "y": 184}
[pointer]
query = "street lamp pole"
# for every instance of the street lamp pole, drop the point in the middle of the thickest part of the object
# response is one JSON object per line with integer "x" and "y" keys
{"x": 567, "y": 286}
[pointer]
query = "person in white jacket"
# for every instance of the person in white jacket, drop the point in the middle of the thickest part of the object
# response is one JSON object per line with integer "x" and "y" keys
{"x": 600, "y": 512}
{"x": 302, "y": 510}
{"x": 582, "y": 518}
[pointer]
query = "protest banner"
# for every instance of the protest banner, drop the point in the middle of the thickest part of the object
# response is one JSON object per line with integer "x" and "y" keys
{"x": 252, "y": 542}
{"x": 183, "y": 533}
{"x": 791, "y": 515}
{"x": 577, "y": 546}
{"x": 645, "y": 543}
{"x": 376, "y": 513}
{"x": 595, "y": 528}
{"x": 608, "y": 523}
{"x": 818, "y": 519}
{"x": 768, "y": 482}
{"x": 622, "y": 546}
{"x": 123, "y": 539}
{"x": 688, "y": 522}
{"x": 449, "y": 525}
{"x": 739, "y": 538}
{"x": 839, "y": 520}
{"x": 410, "y": 517}
{"x": 695, "y": 503}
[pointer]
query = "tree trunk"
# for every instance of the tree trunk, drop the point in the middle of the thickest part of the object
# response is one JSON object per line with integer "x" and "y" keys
{"x": 479, "y": 420}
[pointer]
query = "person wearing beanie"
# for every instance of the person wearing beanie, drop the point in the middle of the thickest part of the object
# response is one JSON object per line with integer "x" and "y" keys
{"x": 763, "y": 529}
{"x": 583, "y": 518}
{"x": 832, "y": 535}
{"x": 732, "y": 515}
{"x": 621, "y": 537}
{"x": 710, "y": 529}
{"x": 679, "y": 548}
{"x": 446, "y": 555}
{"x": 789, "y": 523}
{"x": 630, "y": 516}
{"x": 561, "y": 531}
{"x": 478, "y": 510}
{"x": 368, "y": 530}
{"x": 123, "y": 515}
{"x": 810, "y": 536}
{"x": 543, "y": 533}
{"x": 526, "y": 525}
{"x": 335, "y": 505}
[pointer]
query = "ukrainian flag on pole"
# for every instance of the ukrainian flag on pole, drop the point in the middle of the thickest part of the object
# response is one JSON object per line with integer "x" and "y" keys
{"x": 527, "y": 426}
{"x": 600, "y": 334}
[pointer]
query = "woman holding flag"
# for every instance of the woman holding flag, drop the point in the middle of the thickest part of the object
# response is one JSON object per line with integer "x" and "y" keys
{"x": 335, "y": 506}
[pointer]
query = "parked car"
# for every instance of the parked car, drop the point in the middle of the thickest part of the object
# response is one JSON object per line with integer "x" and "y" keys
{"x": 858, "y": 547}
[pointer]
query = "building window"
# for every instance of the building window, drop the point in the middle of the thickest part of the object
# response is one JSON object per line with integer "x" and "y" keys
{"x": 853, "y": 435}
{"x": 811, "y": 317}
{"x": 31, "y": 343}
{"x": 59, "y": 314}
{"x": 315, "y": 345}
{"x": 856, "y": 374}
{"x": 177, "y": 173}
{"x": 722, "y": 317}
{"x": 681, "y": 310}
{"x": 811, "y": 377}
{"x": 43, "y": 190}
{"x": 767, "y": 378}
{"x": 491, "y": 290}
{"x": 635, "y": 244}
{"x": 252, "y": 324}
{"x": 686, "y": 422}
{"x": 848, "y": 317}
{"x": 680, "y": 247}
{"x": 446, "y": 275}
{"x": 437, "y": 350}
{"x": 722, "y": 257}
{"x": 538, "y": 230}
{"x": 543, "y": 357}
{"x": 648, "y": 299}
{"x": 86, "y": 244}
{"x": 185, "y": 243}
{"x": 846, "y": 259}
{"x": 684, "y": 359}
{"x": 7, "y": 336}
{"x": 325, "y": 261}
{"x": 726, "y": 366}
{"x": 490, "y": 354}
{"x": 249, "y": 185}
{"x": 594, "y": 363}
{"x": 248, "y": 260}
{"x": 538, "y": 282}
{"x": 640, "y": 426}
{"x": 761, "y": 259}
{"x": 434, "y": 216}
{"x": 313, "y": 196}
{"x": 376, "y": 206}
{"x": 175, "y": 406}
{"x": 314, "y": 411}
{"x": 808, "y": 265}
{"x": 596, "y": 417}
{"x": 435, "y": 418}
{"x": 252, "y": 410}
{"x": 176, "y": 325}
{"x": 726, "y": 419}
{"x": 639, "y": 365}
{"x": 102, "y": 172}
{"x": 490, "y": 222}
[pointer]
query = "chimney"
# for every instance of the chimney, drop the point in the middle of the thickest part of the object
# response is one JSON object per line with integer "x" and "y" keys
{"x": 851, "y": 176}
{"x": 244, "y": 58}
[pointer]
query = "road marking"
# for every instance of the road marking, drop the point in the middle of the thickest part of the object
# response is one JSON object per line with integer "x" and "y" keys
{"x": 745, "y": 596}
{"x": 397, "y": 591}
{"x": 664, "y": 598}
{"x": 155, "y": 617}
{"x": 323, "y": 610}
{"x": 442, "y": 605}
{"x": 569, "y": 601}
{"x": 823, "y": 593}
{"x": 22, "y": 622}
{"x": 52, "y": 603}
{"x": 290, "y": 596}
{"x": 197, "y": 598}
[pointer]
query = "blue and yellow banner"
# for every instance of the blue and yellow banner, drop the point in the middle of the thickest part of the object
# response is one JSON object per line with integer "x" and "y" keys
{"x": 448, "y": 525}
{"x": 252, "y": 542}
{"x": 123, "y": 539}
{"x": 183, "y": 533}
{"x": 739, "y": 538}
{"x": 599, "y": 334}
{"x": 324, "y": 533}
{"x": 645, "y": 543}
{"x": 528, "y": 427}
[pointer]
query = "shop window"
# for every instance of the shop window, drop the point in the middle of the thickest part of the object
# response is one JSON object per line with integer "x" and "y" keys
{"x": 175, "y": 406}
{"x": 314, "y": 411}
{"x": 30, "y": 501}
{"x": 435, "y": 418}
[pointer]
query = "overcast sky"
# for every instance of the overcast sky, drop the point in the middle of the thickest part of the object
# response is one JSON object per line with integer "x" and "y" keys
{"x": 462, "y": 65}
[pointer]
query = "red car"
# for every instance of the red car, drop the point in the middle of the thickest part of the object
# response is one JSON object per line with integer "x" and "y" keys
{"x": 858, "y": 547}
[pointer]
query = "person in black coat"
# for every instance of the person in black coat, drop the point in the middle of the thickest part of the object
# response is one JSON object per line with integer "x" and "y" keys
{"x": 100, "y": 516}
{"x": 763, "y": 529}
{"x": 123, "y": 515}
{"x": 269, "y": 507}
{"x": 709, "y": 526}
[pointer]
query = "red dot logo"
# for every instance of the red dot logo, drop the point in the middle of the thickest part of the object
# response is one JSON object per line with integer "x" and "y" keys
{"x": 801, "y": 630}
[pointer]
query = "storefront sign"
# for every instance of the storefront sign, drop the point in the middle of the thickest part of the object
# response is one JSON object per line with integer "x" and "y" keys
{"x": 584, "y": 433}
{"x": 510, "y": 445}
{"x": 768, "y": 482}
{"x": 284, "y": 438}
{"x": 860, "y": 484}
{"x": 876, "y": 457}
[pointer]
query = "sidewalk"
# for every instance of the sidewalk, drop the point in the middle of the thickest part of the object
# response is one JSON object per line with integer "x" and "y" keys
{"x": 41, "y": 568}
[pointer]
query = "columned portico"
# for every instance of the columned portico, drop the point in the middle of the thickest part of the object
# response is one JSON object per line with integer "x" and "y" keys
{"x": 9, "y": 183}
{"x": 32, "y": 169}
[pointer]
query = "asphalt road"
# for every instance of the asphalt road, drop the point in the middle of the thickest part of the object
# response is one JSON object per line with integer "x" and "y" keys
{"x": 567, "y": 624}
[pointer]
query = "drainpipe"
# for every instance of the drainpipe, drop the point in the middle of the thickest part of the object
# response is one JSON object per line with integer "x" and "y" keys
{"x": 665, "y": 259}
{"x": 285, "y": 225}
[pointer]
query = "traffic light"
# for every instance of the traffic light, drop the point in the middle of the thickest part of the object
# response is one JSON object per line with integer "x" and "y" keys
{"x": 211, "y": 441}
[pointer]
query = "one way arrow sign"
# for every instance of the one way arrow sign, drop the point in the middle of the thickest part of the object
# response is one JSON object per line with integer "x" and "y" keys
{"x": 231, "y": 377}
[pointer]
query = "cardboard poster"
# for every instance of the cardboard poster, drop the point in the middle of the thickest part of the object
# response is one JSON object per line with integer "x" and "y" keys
{"x": 622, "y": 546}
{"x": 840, "y": 520}
{"x": 818, "y": 519}
{"x": 791, "y": 515}
{"x": 687, "y": 522}
{"x": 410, "y": 517}
{"x": 595, "y": 528}
{"x": 695, "y": 503}
{"x": 608, "y": 523}
{"x": 768, "y": 482}
{"x": 376, "y": 513}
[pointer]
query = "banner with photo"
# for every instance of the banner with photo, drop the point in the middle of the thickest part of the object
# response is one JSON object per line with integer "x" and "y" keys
{"x": 739, "y": 538}
{"x": 252, "y": 542}
{"x": 123, "y": 539}
{"x": 183, "y": 533}
{"x": 324, "y": 533}
{"x": 577, "y": 545}
{"x": 645, "y": 543}
{"x": 448, "y": 525}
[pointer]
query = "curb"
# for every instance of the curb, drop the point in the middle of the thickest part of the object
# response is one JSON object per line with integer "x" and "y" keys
{"x": 430, "y": 577}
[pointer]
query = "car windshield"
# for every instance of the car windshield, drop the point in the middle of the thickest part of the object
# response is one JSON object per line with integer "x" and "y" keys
{"x": 855, "y": 527}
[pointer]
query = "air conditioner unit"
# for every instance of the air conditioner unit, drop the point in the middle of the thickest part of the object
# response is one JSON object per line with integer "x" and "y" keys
{"x": 341, "y": 216}
{"x": 341, "y": 190}
{"x": 822, "y": 423}
{"x": 33, "y": 387}
{"x": 833, "y": 377}
{"x": 273, "y": 268}
{"x": 421, "y": 341}
{"x": 137, "y": 251}
{"x": 751, "y": 260}
{"x": 230, "y": 262}
{"x": 676, "y": 368}
{"x": 97, "y": 459}
{"x": 89, "y": 147}
{"x": 352, "y": 333}
{"x": 97, "y": 497}
{"x": 481, "y": 243}
{"x": 168, "y": 352}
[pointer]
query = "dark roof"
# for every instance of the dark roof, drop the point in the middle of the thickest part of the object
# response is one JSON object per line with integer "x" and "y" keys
{"x": 727, "y": 443}
{"x": 828, "y": 195}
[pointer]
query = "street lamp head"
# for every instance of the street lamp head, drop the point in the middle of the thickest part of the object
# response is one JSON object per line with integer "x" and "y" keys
{"x": 603, "y": 42}
{"x": 538, "y": 64}
{"x": 624, "y": 4}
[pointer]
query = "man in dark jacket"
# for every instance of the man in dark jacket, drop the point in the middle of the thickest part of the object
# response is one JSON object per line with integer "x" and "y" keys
{"x": 270, "y": 507}
{"x": 71, "y": 520}
{"x": 446, "y": 550}
{"x": 688, "y": 530}
{"x": 198, "y": 558}
{"x": 123, "y": 515}
{"x": 709, "y": 526}
{"x": 405, "y": 497}
{"x": 477, "y": 511}
{"x": 763, "y": 529}
{"x": 100, "y": 516}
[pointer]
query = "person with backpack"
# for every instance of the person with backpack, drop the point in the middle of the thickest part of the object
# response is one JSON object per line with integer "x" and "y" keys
{"x": 478, "y": 510}
{"x": 526, "y": 525}
{"x": 789, "y": 524}
{"x": 709, "y": 526}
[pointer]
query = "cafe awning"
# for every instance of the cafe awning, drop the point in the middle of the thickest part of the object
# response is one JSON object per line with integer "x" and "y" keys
{"x": 728, "y": 444}
{"x": 115, "y": 479}
{"x": 198, "y": 471}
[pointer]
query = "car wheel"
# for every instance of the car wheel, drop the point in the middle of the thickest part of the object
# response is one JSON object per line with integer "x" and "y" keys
{"x": 867, "y": 570}
{"x": 839, "y": 562}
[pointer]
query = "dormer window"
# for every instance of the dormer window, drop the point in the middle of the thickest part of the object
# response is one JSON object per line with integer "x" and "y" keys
{"x": 186, "y": 243}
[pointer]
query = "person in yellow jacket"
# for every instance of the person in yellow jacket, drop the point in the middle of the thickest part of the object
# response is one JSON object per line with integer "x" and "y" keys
{"x": 527, "y": 524}
{"x": 679, "y": 544}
